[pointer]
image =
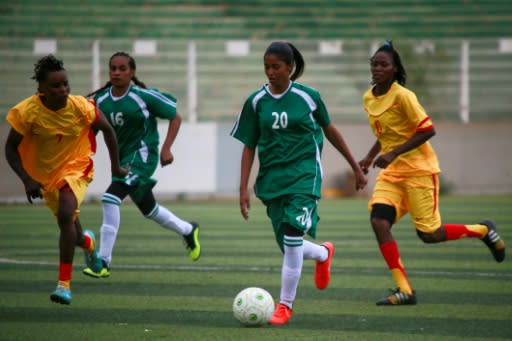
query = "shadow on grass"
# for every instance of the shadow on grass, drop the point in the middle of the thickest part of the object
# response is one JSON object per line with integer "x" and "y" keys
{"x": 348, "y": 323}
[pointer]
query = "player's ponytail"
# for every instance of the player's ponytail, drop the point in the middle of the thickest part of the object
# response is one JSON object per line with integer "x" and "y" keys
{"x": 300, "y": 65}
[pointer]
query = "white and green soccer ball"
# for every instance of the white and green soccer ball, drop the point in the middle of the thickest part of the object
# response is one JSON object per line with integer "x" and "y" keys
{"x": 253, "y": 306}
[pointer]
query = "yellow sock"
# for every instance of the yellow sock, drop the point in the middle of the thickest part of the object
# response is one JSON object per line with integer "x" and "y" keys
{"x": 478, "y": 228}
{"x": 401, "y": 281}
{"x": 65, "y": 284}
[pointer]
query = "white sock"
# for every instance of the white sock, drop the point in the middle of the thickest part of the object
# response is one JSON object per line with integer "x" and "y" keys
{"x": 108, "y": 231}
{"x": 168, "y": 220}
{"x": 315, "y": 251}
{"x": 291, "y": 271}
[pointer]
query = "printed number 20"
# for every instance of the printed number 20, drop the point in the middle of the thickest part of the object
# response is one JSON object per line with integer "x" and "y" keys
{"x": 280, "y": 120}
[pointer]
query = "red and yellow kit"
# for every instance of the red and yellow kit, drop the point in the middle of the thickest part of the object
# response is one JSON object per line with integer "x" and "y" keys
{"x": 410, "y": 183}
{"x": 57, "y": 146}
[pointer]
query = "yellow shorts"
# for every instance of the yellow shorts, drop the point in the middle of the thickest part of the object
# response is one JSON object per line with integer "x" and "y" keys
{"x": 418, "y": 196}
{"x": 79, "y": 187}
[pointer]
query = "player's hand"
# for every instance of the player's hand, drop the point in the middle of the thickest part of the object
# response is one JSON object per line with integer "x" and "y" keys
{"x": 33, "y": 189}
{"x": 166, "y": 157}
{"x": 384, "y": 160}
{"x": 120, "y": 172}
{"x": 361, "y": 179}
{"x": 365, "y": 165}
{"x": 245, "y": 204}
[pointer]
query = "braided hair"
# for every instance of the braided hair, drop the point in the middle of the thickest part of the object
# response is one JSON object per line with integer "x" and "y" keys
{"x": 133, "y": 66}
{"x": 289, "y": 54}
{"x": 400, "y": 74}
{"x": 46, "y": 65}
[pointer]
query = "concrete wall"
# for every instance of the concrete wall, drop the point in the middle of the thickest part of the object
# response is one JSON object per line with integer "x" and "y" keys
{"x": 474, "y": 160}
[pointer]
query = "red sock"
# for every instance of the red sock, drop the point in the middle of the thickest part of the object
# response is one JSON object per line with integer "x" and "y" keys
{"x": 87, "y": 245}
{"x": 65, "y": 270}
{"x": 457, "y": 231}
{"x": 392, "y": 257}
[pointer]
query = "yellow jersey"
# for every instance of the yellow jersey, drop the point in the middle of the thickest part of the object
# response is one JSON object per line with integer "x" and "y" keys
{"x": 394, "y": 118}
{"x": 56, "y": 144}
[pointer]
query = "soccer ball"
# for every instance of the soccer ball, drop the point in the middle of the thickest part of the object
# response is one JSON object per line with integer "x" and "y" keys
{"x": 253, "y": 306}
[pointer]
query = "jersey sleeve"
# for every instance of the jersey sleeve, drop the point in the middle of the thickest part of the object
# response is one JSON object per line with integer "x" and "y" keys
{"x": 16, "y": 121}
{"x": 161, "y": 104}
{"x": 19, "y": 118}
{"x": 91, "y": 111}
{"x": 321, "y": 114}
{"x": 246, "y": 128}
{"x": 416, "y": 113}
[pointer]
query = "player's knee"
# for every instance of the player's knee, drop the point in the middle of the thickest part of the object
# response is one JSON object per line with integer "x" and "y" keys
{"x": 429, "y": 237}
{"x": 291, "y": 231}
{"x": 147, "y": 205}
{"x": 382, "y": 212}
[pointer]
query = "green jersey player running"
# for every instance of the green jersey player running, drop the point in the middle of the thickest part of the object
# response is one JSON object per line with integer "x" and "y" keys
{"x": 286, "y": 122}
{"x": 132, "y": 110}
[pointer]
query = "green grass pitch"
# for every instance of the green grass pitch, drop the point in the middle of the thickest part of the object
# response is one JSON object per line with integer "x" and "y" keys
{"x": 156, "y": 293}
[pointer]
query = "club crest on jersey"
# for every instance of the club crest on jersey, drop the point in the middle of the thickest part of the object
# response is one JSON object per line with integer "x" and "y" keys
{"x": 305, "y": 218}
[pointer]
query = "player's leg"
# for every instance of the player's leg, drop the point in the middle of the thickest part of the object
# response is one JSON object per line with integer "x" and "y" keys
{"x": 66, "y": 215}
{"x": 425, "y": 212}
{"x": 382, "y": 218}
{"x": 111, "y": 201}
{"x": 168, "y": 220}
{"x": 292, "y": 217}
{"x": 86, "y": 240}
{"x": 290, "y": 273}
{"x": 387, "y": 205}
{"x": 323, "y": 255}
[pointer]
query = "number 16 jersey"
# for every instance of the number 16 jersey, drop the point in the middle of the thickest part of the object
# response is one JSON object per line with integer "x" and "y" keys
{"x": 134, "y": 119}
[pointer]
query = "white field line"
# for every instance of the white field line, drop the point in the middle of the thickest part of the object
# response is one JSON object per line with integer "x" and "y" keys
{"x": 211, "y": 268}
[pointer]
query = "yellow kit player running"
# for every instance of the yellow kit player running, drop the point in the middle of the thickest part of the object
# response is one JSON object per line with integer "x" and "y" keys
{"x": 409, "y": 180}
{"x": 50, "y": 146}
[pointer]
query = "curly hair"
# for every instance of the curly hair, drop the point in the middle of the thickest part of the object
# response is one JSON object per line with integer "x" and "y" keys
{"x": 46, "y": 65}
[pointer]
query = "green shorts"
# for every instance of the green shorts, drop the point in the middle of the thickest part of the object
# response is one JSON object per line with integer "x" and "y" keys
{"x": 298, "y": 210}
{"x": 140, "y": 175}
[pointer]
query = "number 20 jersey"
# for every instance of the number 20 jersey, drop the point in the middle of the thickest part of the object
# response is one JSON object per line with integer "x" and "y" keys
{"x": 286, "y": 129}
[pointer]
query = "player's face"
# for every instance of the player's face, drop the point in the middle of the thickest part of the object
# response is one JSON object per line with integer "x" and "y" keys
{"x": 382, "y": 68}
{"x": 120, "y": 72}
{"x": 277, "y": 71}
{"x": 55, "y": 89}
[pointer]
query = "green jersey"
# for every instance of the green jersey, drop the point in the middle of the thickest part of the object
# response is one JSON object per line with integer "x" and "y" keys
{"x": 287, "y": 131}
{"x": 134, "y": 119}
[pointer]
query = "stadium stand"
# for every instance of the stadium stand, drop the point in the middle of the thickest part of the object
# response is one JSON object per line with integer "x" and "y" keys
{"x": 260, "y": 19}
{"x": 428, "y": 34}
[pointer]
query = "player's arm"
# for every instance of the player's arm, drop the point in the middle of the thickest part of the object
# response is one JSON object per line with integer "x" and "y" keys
{"x": 245, "y": 172}
{"x": 110, "y": 138}
{"x": 415, "y": 141}
{"x": 337, "y": 140}
{"x": 166, "y": 156}
{"x": 366, "y": 162}
{"x": 32, "y": 187}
